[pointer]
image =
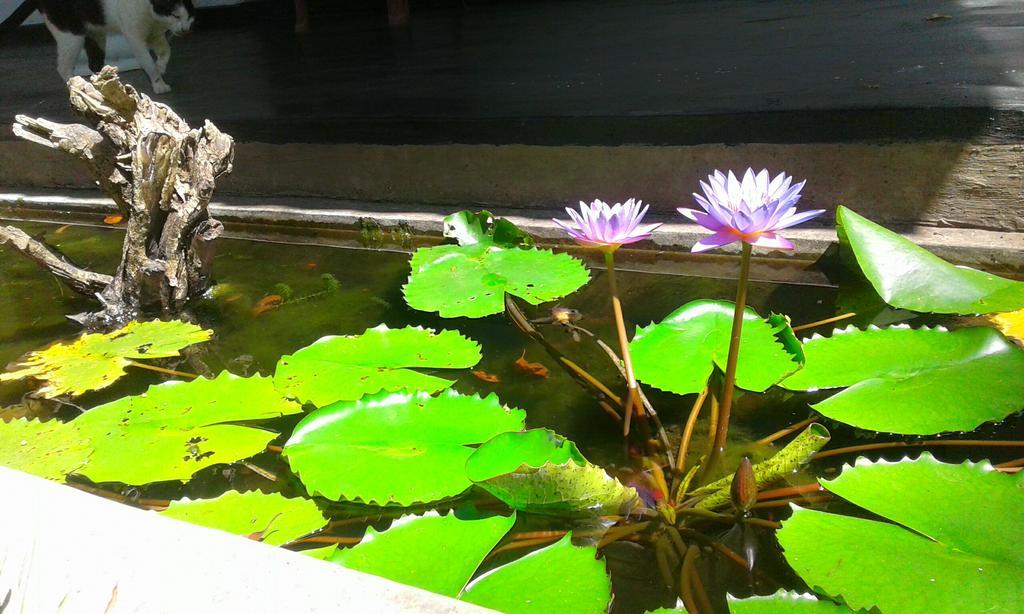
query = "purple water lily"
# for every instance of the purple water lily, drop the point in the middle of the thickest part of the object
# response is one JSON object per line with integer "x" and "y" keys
{"x": 752, "y": 210}
{"x": 607, "y": 227}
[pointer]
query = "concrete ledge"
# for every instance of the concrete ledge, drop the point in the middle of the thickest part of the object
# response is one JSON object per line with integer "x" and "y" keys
{"x": 62, "y": 550}
{"x": 332, "y": 222}
{"x": 942, "y": 184}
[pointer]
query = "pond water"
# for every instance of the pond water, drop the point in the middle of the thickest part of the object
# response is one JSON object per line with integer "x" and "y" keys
{"x": 250, "y": 339}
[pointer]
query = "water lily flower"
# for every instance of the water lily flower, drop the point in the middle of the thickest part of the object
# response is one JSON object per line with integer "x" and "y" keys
{"x": 607, "y": 227}
{"x": 752, "y": 210}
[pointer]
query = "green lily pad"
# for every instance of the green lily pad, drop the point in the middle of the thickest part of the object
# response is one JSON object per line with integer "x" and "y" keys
{"x": 471, "y": 279}
{"x": 175, "y": 429}
{"x": 404, "y": 447}
{"x": 559, "y": 578}
{"x": 97, "y": 360}
{"x": 275, "y": 519}
{"x": 914, "y": 381}
{"x": 49, "y": 450}
{"x": 540, "y": 471}
{"x": 679, "y": 353}
{"x": 953, "y": 547}
{"x": 797, "y": 453}
{"x": 346, "y": 368}
{"x": 785, "y": 601}
{"x": 470, "y": 228}
{"x": 910, "y": 277}
{"x": 433, "y": 552}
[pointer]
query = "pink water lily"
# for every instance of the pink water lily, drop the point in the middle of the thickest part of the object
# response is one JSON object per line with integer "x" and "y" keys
{"x": 752, "y": 210}
{"x": 607, "y": 227}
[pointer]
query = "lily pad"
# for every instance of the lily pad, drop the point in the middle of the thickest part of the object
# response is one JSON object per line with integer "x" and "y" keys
{"x": 269, "y": 518}
{"x": 559, "y": 578}
{"x": 540, "y": 471}
{"x": 433, "y": 552}
{"x": 914, "y": 381}
{"x": 49, "y": 450}
{"x": 785, "y": 601}
{"x": 97, "y": 360}
{"x": 471, "y": 279}
{"x": 346, "y": 368}
{"x": 952, "y": 547}
{"x": 910, "y": 277}
{"x": 679, "y": 353}
{"x": 403, "y": 447}
{"x": 470, "y": 228}
{"x": 175, "y": 429}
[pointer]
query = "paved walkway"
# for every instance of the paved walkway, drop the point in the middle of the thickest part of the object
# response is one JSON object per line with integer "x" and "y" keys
{"x": 597, "y": 71}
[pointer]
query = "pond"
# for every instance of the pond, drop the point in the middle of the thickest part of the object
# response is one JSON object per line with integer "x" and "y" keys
{"x": 274, "y": 297}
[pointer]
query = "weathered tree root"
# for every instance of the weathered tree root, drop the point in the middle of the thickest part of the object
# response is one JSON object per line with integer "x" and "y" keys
{"x": 160, "y": 173}
{"x": 77, "y": 278}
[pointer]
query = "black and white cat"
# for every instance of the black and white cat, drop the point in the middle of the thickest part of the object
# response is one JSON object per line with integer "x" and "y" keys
{"x": 146, "y": 25}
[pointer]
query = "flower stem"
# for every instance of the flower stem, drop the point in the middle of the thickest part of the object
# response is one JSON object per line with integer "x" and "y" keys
{"x": 729, "y": 383}
{"x": 633, "y": 394}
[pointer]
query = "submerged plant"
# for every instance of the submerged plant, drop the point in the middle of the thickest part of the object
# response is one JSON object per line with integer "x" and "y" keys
{"x": 607, "y": 228}
{"x": 751, "y": 211}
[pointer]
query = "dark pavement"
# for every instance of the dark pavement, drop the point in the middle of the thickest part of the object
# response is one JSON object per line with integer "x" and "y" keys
{"x": 587, "y": 72}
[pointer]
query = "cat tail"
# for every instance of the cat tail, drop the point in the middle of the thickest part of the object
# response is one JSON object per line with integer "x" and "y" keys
{"x": 19, "y": 15}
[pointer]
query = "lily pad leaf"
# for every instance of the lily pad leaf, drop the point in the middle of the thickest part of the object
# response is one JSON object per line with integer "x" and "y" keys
{"x": 785, "y": 601}
{"x": 914, "y": 381}
{"x": 559, "y": 578}
{"x": 470, "y": 228}
{"x": 910, "y": 277}
{"x": 49, "y": 450}
{"x": 269, "y": 518}
{"x": 471, "y": 279}
{"x": 97, "y": 360}
{"x": 175, "y": 429}
{"x": 403, "y": 447}
{"x": 433, "y": 552}
{"x": 346, "y": 368}
{"x": 540, "y": 471}
{"x": 679, "y": 353}
{"x": 948, "y": 550}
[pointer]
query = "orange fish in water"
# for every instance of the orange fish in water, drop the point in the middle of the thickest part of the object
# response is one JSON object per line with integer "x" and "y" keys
{"x": 113, "y": 219}
{"x": 533, "y": 368}
{"x": 309, "y": 266}
{"x": 266, "y": 304}
{"x": 61, "y": 230}
{"x": 486, "y": 377}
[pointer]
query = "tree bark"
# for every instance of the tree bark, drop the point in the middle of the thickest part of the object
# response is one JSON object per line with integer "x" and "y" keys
{"x": 161, "y": 174}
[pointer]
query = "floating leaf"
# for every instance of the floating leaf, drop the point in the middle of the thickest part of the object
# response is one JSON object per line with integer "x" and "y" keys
{"x": 540, "y": 471}
{"x": 910, "y": 277}
{"x": 492, "y": 258}
{"x": 559, "y": 578}
{"x": 176, "y": 428}
{"x": 433, "y": 552}
{"x": 954, "y": 549}
{"x": 48, "y": 449}
{"x": 399, "y": 448}
{"x": 785, "y": 462}
{"x": 269, "y": 518}
{"x": 1011, "y": 324}
{"x": 784, "y": 601}
{"x": 470, "y": 228}
{"x": 679, "y": 353}
{"x": 914, "y": 381}
{"x": 97, "y": 360}
{"x": 346, "y": 368}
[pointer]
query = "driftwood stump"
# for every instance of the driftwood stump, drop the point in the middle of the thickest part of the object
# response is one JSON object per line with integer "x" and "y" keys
{"x": 160, "y": 173}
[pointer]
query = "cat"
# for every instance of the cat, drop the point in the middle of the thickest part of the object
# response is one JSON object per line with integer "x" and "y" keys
{"x": 144, "y": 23}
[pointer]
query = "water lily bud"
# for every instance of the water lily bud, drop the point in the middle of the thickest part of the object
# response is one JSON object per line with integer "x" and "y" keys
{"x": 744, "y": 487}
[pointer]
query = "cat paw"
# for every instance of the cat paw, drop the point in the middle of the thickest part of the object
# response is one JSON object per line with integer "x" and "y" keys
{"x": 161, "y": 87}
